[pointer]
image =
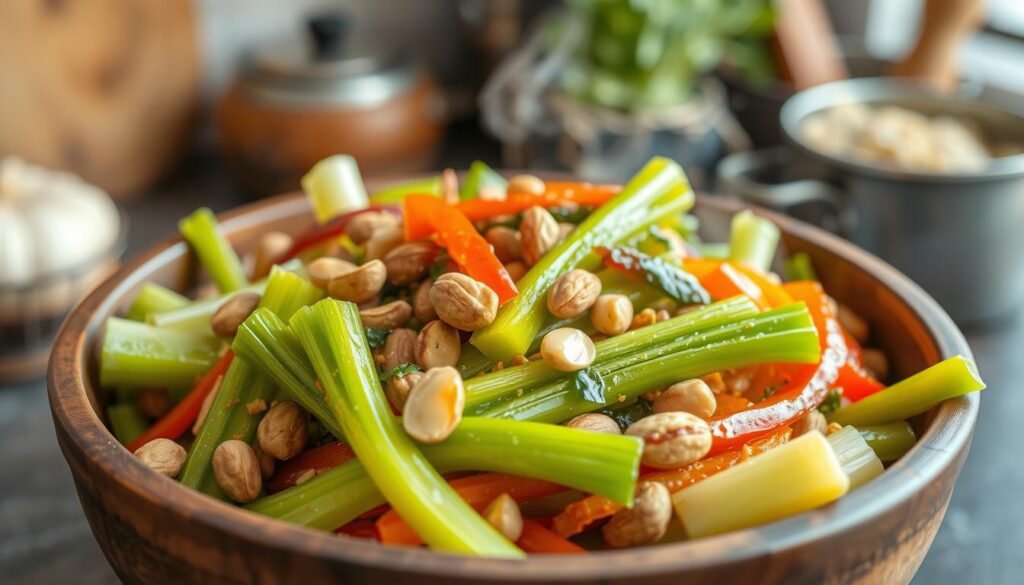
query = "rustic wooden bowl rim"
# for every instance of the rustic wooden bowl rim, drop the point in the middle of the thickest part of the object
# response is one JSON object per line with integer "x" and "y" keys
{"x": 69, "y": 377}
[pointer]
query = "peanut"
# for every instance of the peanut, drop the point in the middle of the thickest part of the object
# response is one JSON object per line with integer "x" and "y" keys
{"x": 323, "y": 269}
{"x": 389, "y": 316}
{"x": 528, "y": 184}
{"x": 422, "y": 309}
{"x": 506, "y": 243}
{"x": 398, "y": 388}
{"x": 612, "y": 314}
{"x": 692, "y": 396}
{"x": 382, "y": 241}
{"x": 876, "y": 363}
{"x": 672, "y": 439}
{"x": 516, "y": 270}
{"x": 463, "y": 302}
{"x": 434, "y": 406}
{"x": 267, "y": 461}
{"x": 438, "y": 345}
{"x": 567, "y": 350}
{"x": 284, "y": 430}
{"x": 153, "y": 402}
{"x": 595, "y": 422}
{"x": 362, "y": 227}
{"x": 233, "y": 312}
{"x": 359, "y": 285}
{"x": 270, "y": 247}
{"x": 538, "y": 232}
{"x": 237, "y": 471}
{"x": 503, "y": 513}
{"x": 573, "y": 294}
{"x": 399, "y": 348}
{"x": 644, "y": 318}
{"x": 645, "y": 522}
{"x": 410, "y": 262}
{"x": 163, "y": 456}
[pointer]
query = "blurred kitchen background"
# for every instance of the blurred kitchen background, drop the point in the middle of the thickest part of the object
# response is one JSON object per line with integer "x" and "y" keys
{"x": 165, "y": 106}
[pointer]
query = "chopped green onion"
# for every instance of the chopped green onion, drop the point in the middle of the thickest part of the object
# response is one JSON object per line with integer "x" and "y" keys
{"x": 153, "y": 298}
{"x": 396, "y": 193}
{"x": 754, "y": 240}
{"x": 480, "y": 175}
{"x": 215, "y": 253}
{"x": 890, "y": 441}
{"x": 334, "y": 186}
{"x": 799, "y": 267}
{"x": 519, "y": 320}
{"x": 134, "y": 354}
{"x": 949, "y": 378}
{"x": 127, "y": 422}
{"x": 858, "y": 460}
{"x": 331, "y": 334}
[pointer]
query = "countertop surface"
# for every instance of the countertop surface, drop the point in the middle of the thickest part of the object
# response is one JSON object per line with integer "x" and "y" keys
{"x": 44, "y": 537}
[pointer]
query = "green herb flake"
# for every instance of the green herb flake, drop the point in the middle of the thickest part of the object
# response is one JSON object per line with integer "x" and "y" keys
{"x": 831, "y": 403}
{"x": 589, "y": 385}
{"x": 376, "y": 336}
{"x": 399, "y": 371}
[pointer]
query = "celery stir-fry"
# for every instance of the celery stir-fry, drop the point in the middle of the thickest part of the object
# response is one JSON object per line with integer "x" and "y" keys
{"x": 435, "y": 364}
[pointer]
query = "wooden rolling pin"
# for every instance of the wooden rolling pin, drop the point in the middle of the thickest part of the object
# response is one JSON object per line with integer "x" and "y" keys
{"x": 944, "y": 25}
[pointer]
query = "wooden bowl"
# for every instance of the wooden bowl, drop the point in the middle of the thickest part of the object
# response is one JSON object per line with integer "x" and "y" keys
{"x": 153, "y": 530}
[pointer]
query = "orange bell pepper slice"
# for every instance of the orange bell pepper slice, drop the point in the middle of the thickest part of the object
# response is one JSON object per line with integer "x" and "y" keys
{"x": 425, "y": 215}
{"x": 558, "y": 193}
{"x": 539, "y": 540}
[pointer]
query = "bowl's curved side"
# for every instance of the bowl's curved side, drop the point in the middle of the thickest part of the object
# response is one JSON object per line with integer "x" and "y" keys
{"x": 152, "y": 529}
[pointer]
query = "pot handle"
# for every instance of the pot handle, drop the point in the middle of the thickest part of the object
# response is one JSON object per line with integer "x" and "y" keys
{"x": 738, "y": 175}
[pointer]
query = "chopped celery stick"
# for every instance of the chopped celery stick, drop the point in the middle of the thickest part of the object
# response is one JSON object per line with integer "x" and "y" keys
{"x": 480, "y": 175}
{"x": 397, "y": 193}
{"x": 196, "y": 316}
{"x": 855, "y": 456}
{"x": 334, "y": 186}
{"x": 719, "y": 250}
{"x": 153, "y": 298}
{"x": 520, "y": 319}
{"x": 753, "y": 240}
{"x": 799, "y": 267}
{"x": 793, "y": 478}
{"x": 229, "y": 417}
{"x": 135, "y": 354}
{"x": 594, "y": 463}
{"x": 949, "y": 378}
{"x": 889, "y": 441}
{"x": 332, "y": 334}
{"x": 215, "y": 253}
{"x": 127, "y": 422}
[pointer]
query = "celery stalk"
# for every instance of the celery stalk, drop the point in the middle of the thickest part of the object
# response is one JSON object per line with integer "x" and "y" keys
{"x": 797, "y": 477}
{"x": 396, "y": 193}
{"x": 855, "y": 456}
{"x": 949, "y": 378}
{"x": 799, "y": 267}
{"x": 229, "y": 417}
{"x": 196, "y": 315}
{"x": 592, "y": 463}
{"x": 334, "y": 186}
{"x": 332, "y": 334}
{"x": 127, "y": 422}
{"x": 480, "y": 175}
{"x": 153, "y": 298}
{"x": 135, "y": 354}
{"x": 520, "y": 319}
{"x": 215, "y": 253}
{"x": 889, "y": 441}
{"x": 753, "y": 240}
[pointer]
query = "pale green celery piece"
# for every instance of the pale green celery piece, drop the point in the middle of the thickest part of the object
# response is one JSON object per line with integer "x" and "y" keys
{"x": 799, "y": 267}
{"x": 601, "y": 464}
{"x": 135, "y": 354}
{"x": 334, "y": 186}
{"x": 215, "y": 253}
{"x": 332, "y": 335}
{"x": 754, "y": 240}
{"x": 480, "y": 175}
{"x": 890, "y": 441}
{"x": 520, "y": 319}
{"x": 950, "y": 378}
{"x": 153, "y": 298}
{"x": 858, "y": 460}
{"x": 126, "y": 422}
{"x": 395, "y": 194}
{"x": 229, "y": 417}
{"x": 718, "y": 250}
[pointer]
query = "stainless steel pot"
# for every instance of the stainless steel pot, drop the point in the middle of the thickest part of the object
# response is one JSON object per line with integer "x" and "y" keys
{"x": 960, "y": 236}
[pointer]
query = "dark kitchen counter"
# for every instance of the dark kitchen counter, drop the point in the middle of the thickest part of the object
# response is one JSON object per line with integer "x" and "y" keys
{"x": 44, "y": 537}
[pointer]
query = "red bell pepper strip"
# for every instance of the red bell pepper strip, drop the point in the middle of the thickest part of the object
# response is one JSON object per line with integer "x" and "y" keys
{"x": 536, "y": 539}
{"x": 807, "y": 388}
{"x": 363, "y": 529}
{"x": 557, "y": 194}
{"x": 180, "y": 418}
{"x": 317, "y": 459}
{"x": 428, "y": 215}
{"x": 332, "y": 229}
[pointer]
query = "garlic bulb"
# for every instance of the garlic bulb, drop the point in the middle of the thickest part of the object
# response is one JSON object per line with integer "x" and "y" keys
{"x": 50, "y": 222}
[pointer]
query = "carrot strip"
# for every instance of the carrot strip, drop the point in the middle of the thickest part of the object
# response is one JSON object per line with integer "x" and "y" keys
{"x": 557, "y": 194}
{"x": 179, "y": 420}
{"x": 317, "y": 459}
{"x": 539, "y": 540}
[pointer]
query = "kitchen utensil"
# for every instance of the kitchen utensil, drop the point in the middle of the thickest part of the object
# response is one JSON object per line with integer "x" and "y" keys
{"x": 944, "y": 24}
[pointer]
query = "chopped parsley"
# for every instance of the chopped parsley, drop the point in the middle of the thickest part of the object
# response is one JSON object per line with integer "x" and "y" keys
{"x": 376, "y": 336}
{"x": 589, "y": 385}
{"x": 831, "y": 403}
{"x": 399, "y": 371}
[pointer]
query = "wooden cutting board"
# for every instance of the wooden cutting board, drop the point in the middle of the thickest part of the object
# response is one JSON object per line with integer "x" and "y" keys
{"x": 104, "y": 88}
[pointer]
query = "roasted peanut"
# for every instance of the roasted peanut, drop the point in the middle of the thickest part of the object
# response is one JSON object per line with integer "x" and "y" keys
{"x": 503, "y": 513}
{"x": 612, "y": 314}
{"x": 853, "y": 323}
{"x": 434, "y": 406}
{"x": 381, "y": 242}
{"x": 645, "y": 522}
{"x": 438, "y": 345}
{"x": 812, "y": 421}
{"x": 163, "y": 456}
{"x": 529, "y": 184}
{"x": 596, "y": 422}
{"x": 538, "y": 232}
{"x": 422, "y": 309}
{"x": 398, "y": 388}
{"x": 362, "y": 227}
{"x": 388, "y": 316}
{"x": 876, "y": 363}
{"x": 325, "y": 268}
{"x": 692, "y": 396}
{"x": 450, "y": 186}
{"x": 410, "y": 262}
{"x": 359, "y": 285}
{"x": 284, "y": 430}
{"x": 644, "y": 318}
{"x": 153, "y": 402}
{"x": 237, "y": 471}
{"x": 564, "y": 229}
{"x": 399, "y": 348}
{"x": 463, "y": 302}
{"x": 662, "y": 315}
{"x": 506, "y": 243}
{"x": 270, "y": 247}
{"x": 233, "y": 312}
{"x": 516, "y": 270}
{"x": 672, "y": 439}
{"x": 573, "y": 294}
{"x": 267, "y": 461}
{"x": 567, "y": 350}
{"x": 491, "y": 193}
